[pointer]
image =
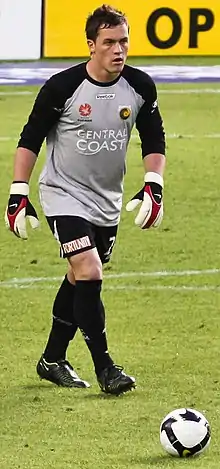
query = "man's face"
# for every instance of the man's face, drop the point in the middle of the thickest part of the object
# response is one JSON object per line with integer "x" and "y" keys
{"x": 110, "y": 49}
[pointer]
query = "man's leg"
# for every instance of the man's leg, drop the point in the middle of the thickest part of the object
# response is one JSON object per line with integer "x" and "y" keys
{"x": 53, "y": 365}
{"x": 89, "y": 315}
{"x": 64, "y": 326}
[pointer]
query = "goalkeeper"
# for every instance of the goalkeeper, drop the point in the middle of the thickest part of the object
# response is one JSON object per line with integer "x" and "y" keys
{"x": 86, "y": 113}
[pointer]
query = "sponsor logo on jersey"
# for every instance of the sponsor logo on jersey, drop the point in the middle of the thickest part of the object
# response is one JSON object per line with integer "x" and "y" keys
{"x": 91, "y": 142}
{"x": 76, "y": 244}
{"x": 124, "y": 112}
{"x": 85, "y": 110}
{"x": 105, "y": 96}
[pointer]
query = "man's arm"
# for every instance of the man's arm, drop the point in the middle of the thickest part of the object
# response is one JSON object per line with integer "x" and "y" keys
{"x": 23, "y": 164}
{"x": 154, "y": 162}
{"x": 150, "y": 127}
{"x": 42, "y": 118}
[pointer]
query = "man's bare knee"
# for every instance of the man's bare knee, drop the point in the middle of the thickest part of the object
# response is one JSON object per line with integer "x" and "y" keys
{"x": 87, "y": 265}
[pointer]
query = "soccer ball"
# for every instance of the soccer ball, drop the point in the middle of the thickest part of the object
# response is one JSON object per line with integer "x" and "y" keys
{"x": 184, "y": 433}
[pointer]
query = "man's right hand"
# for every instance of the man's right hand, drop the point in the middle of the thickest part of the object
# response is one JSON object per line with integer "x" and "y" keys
{"x": 19, "y": 208}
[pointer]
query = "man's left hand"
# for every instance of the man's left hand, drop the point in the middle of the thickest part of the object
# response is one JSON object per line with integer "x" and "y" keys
{"x": 151, "y": 199}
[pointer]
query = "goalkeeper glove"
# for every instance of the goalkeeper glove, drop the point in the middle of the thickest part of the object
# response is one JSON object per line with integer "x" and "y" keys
{"x": 151, "y": 199}
{"x": 19, "y": 208}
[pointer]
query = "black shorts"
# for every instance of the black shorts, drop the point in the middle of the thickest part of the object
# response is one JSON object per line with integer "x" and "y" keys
{"x": 75, "y": 235}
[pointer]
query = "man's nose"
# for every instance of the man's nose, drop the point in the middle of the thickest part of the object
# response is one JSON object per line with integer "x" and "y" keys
{"x": 118, "y": 48}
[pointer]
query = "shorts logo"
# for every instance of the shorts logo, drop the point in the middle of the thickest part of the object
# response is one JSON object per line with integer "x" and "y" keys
{"x": 124, "y": 112}
{"x": 76, "y": 244}
{"x": 85, "y": 110}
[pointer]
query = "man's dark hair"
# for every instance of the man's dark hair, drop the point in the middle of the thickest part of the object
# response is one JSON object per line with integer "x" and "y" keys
{"x": 103, "y": 17}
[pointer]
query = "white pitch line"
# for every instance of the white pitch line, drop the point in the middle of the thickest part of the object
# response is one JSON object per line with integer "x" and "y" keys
{"x": 162, "y": 273}
{"x": 136, "y": 137}
{"x": 166, "y": 287}
{"x": 160, "y": 91}
{"x": 181, "y": 288}
{"x": 179, "y": 136}
{"x": 8, "y": 139}
{"x": 189, "y": 91}
{"x": 15, "y": 93}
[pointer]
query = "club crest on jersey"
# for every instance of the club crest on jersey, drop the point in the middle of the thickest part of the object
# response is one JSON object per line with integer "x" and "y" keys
{"x": 124, "y": 112}
{"x": 85, "y": 110}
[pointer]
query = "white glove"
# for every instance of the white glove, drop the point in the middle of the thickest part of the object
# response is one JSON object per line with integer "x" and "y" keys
{"x": 151, "y": 199}
{"x": 19, "y": 208}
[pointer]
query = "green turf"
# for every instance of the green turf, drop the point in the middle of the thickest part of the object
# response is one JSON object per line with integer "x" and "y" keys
{"x": 177, "y": 60}
{"x": 165, "y": 335}
{"x": 145, "y": 60}
{"x": 166, "y": 60}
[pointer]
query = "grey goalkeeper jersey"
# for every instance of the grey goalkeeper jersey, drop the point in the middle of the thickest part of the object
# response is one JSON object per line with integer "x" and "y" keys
{"x": 87, "y": 126}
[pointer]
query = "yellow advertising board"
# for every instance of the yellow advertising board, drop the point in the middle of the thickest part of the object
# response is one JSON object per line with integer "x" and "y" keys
{"x": 156, "y": 28}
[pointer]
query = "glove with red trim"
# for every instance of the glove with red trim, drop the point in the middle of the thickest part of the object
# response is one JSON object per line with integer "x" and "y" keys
{"x": 19, "y": 208}
{"x": 151, "y": 199}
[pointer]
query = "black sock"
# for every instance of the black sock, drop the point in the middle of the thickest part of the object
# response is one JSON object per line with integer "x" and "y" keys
{"x": 64, "y": 326}
{"x": 89, "y": 314}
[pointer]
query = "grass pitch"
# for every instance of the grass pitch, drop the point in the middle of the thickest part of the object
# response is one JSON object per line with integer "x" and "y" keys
{"x": 162, "y": 297}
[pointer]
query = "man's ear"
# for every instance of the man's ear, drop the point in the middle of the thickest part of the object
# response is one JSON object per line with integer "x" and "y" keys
{"x": 91, "y": 46}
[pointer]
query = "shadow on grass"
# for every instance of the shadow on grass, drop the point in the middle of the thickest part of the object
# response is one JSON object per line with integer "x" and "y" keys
{"x": 157, "y": 461}
{"x": 160, "y": 460}
{"x": 79, "y": 393}
{"x": 30, "y": 387}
